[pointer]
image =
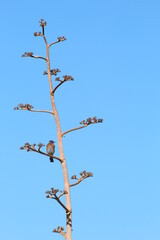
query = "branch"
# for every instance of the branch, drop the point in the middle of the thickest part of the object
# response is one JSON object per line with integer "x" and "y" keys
{"x": 40, "y": 57}
{"x": 53, "y": 194}
{"x": 60, "y": 39}
{"x": 31, "y": 147}
{"x": 86, "y": 123}
{"x": 84, "y": 175}
{"x": 30, "y": 108}
{"x": 57, "y": 87}
{"x": 60, "y": 230}
{"x": 65, "y": 79}
{"x": 30, "y": 54}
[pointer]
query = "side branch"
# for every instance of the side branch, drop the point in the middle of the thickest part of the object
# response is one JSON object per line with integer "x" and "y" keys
{"x": 65, "y": 79}
{"x": 84, "y": 175}
{"x": 30, "y": 108}
{"x": 85, "y": 123}
{"x": 52, "y": 93}
{"x": 53, "y": 195}
{"x": 60, "y": 39}
{"x": 30, "y": 54}
{"x": 73, "y": 129}
{"x": 31, "y": 147}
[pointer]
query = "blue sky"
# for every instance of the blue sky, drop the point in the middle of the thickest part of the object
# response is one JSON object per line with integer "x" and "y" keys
{"x": 113, "y": 53}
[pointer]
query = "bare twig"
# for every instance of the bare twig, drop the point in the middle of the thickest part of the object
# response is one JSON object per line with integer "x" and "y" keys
{"x": 85, "y": 123}
{"x": 29, "y": 107}
{"x": 60, "y": 230}
{"x": 31, "y": 147}
{"x": 84, "y": 175}
{"x": 44, "y": 111}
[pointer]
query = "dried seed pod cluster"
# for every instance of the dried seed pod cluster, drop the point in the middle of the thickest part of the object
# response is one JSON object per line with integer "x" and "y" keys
{"x": 37, "y": 34}
{"x": 65, "y": 78}
{"x": 74, "y": 177}
{"x": 53, "y": 193}
{"x": 42, "y": 23}
{"x": 61, "y": 39}
{"x": 83, "y": 175}
{"x": 32, "y": 147}
{"x": 68, "y": 78}
{"x": 27, "y": 54}
{"x": 52, "y": 71}
{"x": 58, "y": 229}
{"x": 91, "y": 121}
{"x": 40, "y": 145}
{"x": 23, "y": 107}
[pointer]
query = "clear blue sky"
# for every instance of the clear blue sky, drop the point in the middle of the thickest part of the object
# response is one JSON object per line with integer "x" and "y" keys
{"x": 113, "y": 53}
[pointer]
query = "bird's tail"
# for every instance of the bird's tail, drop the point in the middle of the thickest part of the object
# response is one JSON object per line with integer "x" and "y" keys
{"x": 51, "y": 159}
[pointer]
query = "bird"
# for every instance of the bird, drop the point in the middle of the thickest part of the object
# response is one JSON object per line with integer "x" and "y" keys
{"x": 50, "y": 149}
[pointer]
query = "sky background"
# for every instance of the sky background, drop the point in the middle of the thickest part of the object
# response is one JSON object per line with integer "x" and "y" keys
{"x": 113, "y": 53}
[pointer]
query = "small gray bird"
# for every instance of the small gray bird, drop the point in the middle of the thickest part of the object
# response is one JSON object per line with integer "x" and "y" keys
{"x": 50, "y": 149}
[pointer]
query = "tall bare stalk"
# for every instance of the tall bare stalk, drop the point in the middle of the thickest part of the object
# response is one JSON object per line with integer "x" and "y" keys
{"x": 37, "y": 148}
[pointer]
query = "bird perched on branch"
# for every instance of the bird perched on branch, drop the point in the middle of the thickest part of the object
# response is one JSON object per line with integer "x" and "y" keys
{"x": 50, "y": 149}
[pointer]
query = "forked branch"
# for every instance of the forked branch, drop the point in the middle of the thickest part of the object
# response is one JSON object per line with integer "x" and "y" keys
{"x": 85, "y": 123}
{"x": 53, "y": 195}
{"x": 83, "y": 175}
{"x": 32, "y": 147}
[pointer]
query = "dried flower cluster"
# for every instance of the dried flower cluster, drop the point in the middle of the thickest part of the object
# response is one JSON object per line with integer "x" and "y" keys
{"x": 23, "y": 107}
{"x": 28, "y": 54}
{"x": 32, "y": 147}
{"x": 37, "y": 34}
{"x": 65, "y": 78}
{"x": 83, "y": 175}
{"x": 53, "y": 192}
{"x": 61, "y": 39}
{"x": 60, "y": 230}
{"x": 52, "y": 71}
{"x": 42, "y": 22}
{"x": 91, "y": 121}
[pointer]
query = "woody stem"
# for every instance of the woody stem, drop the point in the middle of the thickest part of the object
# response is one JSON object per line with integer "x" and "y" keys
{"x": 61, "y": 153}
